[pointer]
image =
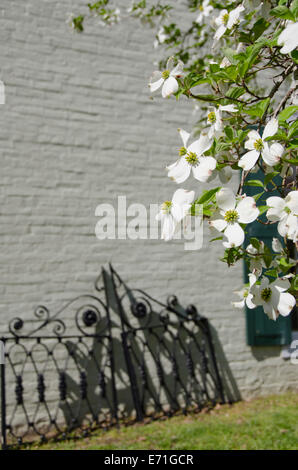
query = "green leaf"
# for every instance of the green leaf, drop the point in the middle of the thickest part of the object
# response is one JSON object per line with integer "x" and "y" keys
{"x": 78, "y": 23}
{"x": 258, "y": 109}
{"x": 255, "y": 243}
{"x": 294, "y": 55}
{"x": 269, "y": 177}
{"x": 257, "y": 196}
{"x": 257, "y": 183}
{"x": 282, "y": 12}
{"x": 235, "y": 92}
{"x": 294, "y": 9}
{"x": 285, "y": 265}
{"x": 294, "y": 283}
{"x": 215, "y": 239}
{"x": 293, "y": 130}
{"x": 207, "y": 196}
{"x": 259, "y": 27}
{"x": 286, "y": 113}
{"x": 293, "y": 161}
{"x": 229, "y": 132}
{"x": 267, "y": 256}
{"x": 263, "y": 209}
{"x": 251, "y": 55}
{"x": 272, "y": 272}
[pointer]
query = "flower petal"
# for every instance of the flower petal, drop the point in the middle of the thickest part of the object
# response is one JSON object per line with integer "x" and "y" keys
{"x": 249, "y": 302}
{"x": 203, "y": 171}
{"x": 182, "y": 197}
{"x": 225, "y": 199}
{"x": 180, "y": 171}
{"x": 286, "y": 304}
{"x": 168, "y": 227}
{"x": 276, "y": 211}
{"x": 231, "y": 108}
{"x": 155, "y": 85}
{"x": 276, "y": 245}
{"x": 201, "y": 145}
{"x": 247, "y": 210}
{"x": 253, "y": 135}
{"x": 218, "y": 223}
{"x": 184, "y": 136}
{"x": 234, "y": 234}
{"x": 170, "y": 86}
{"x": 288, "y": 38}
{"x": 291, "y": 202}
{"x": 281, "y": 284}
{"x": 282, "y": 226}
{"x": 170, "y": 63}
{"x": 270, "y": 128}
{"x": 178, "y": 70}
{"x": 234, "y": 16}
{"x": 220, "y": 32}
{"x": 271, "y": 155}
{"x": 249, "y": 159}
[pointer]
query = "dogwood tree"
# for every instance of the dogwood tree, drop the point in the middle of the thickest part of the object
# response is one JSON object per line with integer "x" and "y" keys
{"x": 249, "y": 127}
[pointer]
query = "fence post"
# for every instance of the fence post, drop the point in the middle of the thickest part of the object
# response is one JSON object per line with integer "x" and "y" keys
{"x": 3, "y": 395}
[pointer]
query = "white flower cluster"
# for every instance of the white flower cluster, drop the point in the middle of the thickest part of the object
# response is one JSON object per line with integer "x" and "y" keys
{"x": 232, "y": 212}
{"x": 271, "y": 296}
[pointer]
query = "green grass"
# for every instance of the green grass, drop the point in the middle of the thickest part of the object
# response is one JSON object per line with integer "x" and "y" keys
{"x": 263, "y": 423}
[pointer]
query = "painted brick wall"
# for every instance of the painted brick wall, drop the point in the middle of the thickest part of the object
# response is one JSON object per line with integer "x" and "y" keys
{"x": 78, "y": 129}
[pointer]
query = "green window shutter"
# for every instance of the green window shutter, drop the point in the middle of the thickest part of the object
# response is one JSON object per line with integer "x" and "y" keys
{"x": 260, "y": 330}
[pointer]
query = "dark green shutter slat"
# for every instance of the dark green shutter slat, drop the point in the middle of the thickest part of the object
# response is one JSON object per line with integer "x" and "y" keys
{"x": 260, "y": 330}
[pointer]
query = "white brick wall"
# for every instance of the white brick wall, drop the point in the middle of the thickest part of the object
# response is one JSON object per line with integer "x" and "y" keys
{"x": 79, "y": 129}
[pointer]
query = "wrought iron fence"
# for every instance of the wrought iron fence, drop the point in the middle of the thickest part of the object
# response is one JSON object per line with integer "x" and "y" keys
{"x": 116, "y": 355}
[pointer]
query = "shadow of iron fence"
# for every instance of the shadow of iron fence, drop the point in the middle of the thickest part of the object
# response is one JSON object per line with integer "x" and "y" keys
{"x": 116, "y": 355}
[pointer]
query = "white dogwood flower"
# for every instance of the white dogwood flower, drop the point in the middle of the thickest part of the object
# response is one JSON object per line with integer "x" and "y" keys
{"x": 226, "y": 20}
{"x": 257, "y": 146}
{"x": 285, "y": 212}
{"x": 245, "y": 294}
{"x": 214, "y": 119}
{"x": 167, "y": 78}
{"x": 273, "y": 297}
{"x": 288, "y": 38}
{"x": 231, "y": 213}
{"x": 173, "y": 212}
{"x": 192, "y": 160}
{"x": 205, "y": 10}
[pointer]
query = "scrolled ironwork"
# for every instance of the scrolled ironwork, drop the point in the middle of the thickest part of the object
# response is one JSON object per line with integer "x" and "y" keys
{"x": 104, "y": 357}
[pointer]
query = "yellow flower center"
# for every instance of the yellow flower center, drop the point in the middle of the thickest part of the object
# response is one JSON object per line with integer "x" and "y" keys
{"x": 182, "y": 151}
{"x": 211, "y": 117}
{"x": 266, "y": 294}
{"x": 192, "y": 158}
{"x": 166, "y": 207}
{"x": 231, "y": 216}
{"x": 165, "y": 74}
{"x": 258, "y": 145}
{"x": 225, "y": 18}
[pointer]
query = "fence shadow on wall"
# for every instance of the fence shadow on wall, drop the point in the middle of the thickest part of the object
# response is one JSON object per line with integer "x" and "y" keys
{"x": 114, "y": 356}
